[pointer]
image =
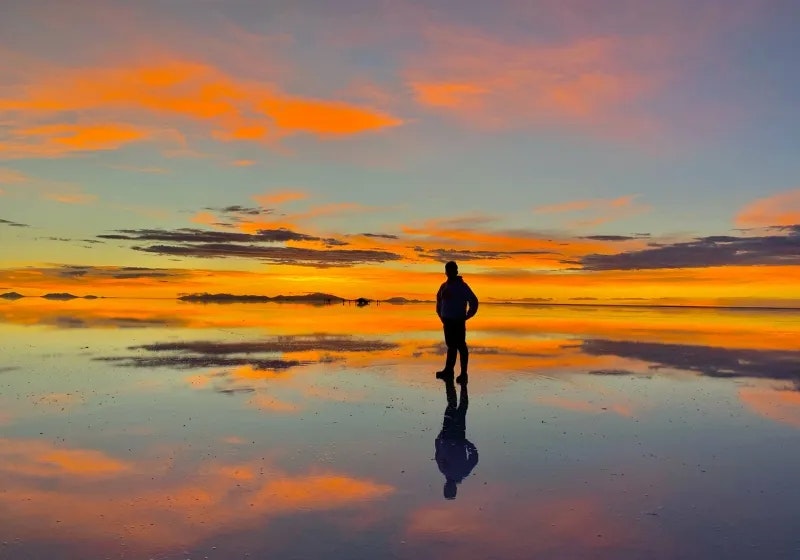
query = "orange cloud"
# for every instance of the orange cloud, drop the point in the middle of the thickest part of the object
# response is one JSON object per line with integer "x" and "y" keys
{"x": 325, "y": 118}
{"x": 71, "y": 197}
{"x": 54, "y": 140}
{"x": 486, "y": 80}
{"x": 782, "y": 209}
{"x": 243, "y": 162}
{"x": 608, "y": 209}
{"x": 86, "y": 137}
{"x": 451, "y": 95}
{"x": 234, "y": 109}
{"x": 206, "y": 219}
{"x": 277, "y": 198}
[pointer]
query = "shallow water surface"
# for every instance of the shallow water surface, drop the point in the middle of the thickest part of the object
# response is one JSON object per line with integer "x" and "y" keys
{"x": 159, "y": 429}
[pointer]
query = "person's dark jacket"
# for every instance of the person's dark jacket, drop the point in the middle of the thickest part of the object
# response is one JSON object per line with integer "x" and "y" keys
{"x": 455, "y": 300}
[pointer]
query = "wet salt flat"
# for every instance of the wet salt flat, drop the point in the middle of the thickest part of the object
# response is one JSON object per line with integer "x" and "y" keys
{"x": 158, "y": 429}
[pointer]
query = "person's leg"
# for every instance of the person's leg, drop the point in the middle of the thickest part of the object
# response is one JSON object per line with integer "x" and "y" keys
{"x": 463, "y": 351}
{"x": 451, "y": 340}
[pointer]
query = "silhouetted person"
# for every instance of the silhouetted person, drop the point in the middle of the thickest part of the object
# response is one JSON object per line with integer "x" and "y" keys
{"x": 455, "y": 304}
{"x": 456, "y": 456}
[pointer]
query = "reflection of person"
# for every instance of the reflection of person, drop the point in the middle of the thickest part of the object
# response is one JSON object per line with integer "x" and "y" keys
{"x": 455, "y": 305}
{"x": 456, "y": 456}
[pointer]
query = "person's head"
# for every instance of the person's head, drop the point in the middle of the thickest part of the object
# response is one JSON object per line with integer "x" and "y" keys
{"x": 451, "y": 269}
{"x": 450, "y": 490}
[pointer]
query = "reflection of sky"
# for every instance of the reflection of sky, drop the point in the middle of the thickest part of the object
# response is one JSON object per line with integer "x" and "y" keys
{"x": 589, "y": 446}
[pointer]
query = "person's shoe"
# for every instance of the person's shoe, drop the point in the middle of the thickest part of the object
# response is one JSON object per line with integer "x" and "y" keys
{"x": 444, "y": 374}
{"x": 463, "y": 378}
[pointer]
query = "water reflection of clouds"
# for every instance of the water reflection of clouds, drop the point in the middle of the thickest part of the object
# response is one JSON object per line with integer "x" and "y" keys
{"x": 265, "y": 354}
{"x": 185, "y": 487}
{"x": 71, "y": 495}
{"x": 270, "y": 368}
{"x": 782, "y": 365}
{"x": 510, "y": 526}
{"x": 780, "y": 405}
{"x": 275, "y": 391}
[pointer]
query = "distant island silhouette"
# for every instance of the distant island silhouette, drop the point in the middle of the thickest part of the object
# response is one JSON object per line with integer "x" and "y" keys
{"x": 11, "y": 295}
{"x": 401, "y": 300}
{"x": 64, "y": 296}
{"x": 316, "y": 297}
{"x": 56, "y": 296}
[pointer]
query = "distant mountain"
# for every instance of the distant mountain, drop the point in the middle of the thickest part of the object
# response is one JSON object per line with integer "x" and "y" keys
{"x": 11, "y": 295}
{"x": 235, "y": 298}
{"x": 399, "y": 300}
{"x": 315, "y": 297}
{"x": 60, "y": 296}
{"x": 223, "y": 298}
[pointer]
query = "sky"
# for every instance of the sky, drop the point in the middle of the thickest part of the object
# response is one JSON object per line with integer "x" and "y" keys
{"x": 565, "y": 151}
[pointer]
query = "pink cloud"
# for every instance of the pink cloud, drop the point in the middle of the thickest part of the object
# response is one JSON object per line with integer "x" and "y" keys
{"x": 780, "y": 405}
{"x": 599, "y": 210}
{"x": 277, "y": 198}
{"x": 74, "y": 197}
{"x": 489, "y": 81}
{"x": 12, "y": 177}
{"x": 782, "y": 209}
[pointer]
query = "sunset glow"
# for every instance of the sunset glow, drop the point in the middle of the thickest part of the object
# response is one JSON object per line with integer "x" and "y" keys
{"x": 230, "y": 324}
{"x": 550, "y": 152}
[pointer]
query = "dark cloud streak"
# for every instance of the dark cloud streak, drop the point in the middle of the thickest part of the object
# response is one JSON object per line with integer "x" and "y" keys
{"x": 13, "y": 224}
{"x": 194, "y": 235}
{"x": 258, "y": 354}
{"x": 279, "y": 255}
{"x": 193, "y": 242}
{"x": 715, "y": 250}
{"x": 468, "y": 255}
{"x": 237, "y": 209}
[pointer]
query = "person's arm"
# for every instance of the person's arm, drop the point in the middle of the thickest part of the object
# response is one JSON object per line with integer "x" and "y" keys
{"x": 472, "y": 300}
{"x": 439, "y": 302}
{"x": 472, "y": 455}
